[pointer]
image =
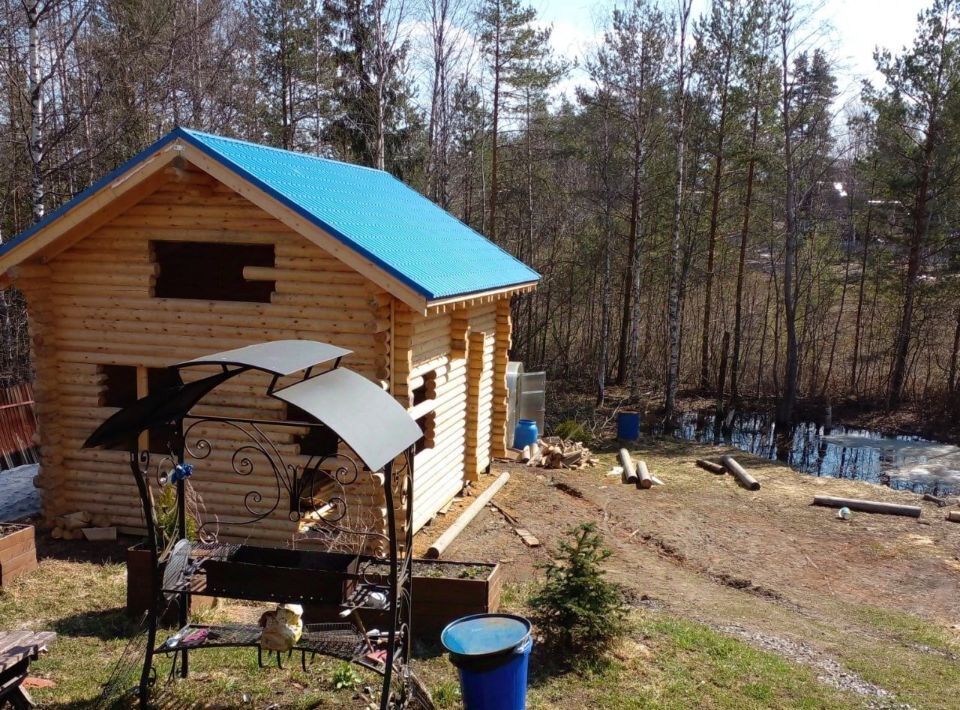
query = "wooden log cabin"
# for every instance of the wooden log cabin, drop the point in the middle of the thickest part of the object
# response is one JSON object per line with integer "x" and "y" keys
{"x": 203, "y": 243}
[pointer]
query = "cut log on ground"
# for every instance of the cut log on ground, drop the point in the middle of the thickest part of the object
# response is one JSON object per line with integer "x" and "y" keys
{"x": 443, "y": 542}
{"x": 629, "y": 472}
{"x": 740, "y": 473}
{"x": 954, "y": 516}
{"x": 643, "y": 476}
{"x": 868, "y": 506}
{"x": 711, "y": 466}
{"x": 941, "y": 502}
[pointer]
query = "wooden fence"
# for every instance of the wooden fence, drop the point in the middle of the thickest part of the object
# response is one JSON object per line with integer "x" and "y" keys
{"x": 17, "y": 427}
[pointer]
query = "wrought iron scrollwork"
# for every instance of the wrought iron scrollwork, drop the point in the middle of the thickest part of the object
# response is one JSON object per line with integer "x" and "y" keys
{"x": 308, "y": 484}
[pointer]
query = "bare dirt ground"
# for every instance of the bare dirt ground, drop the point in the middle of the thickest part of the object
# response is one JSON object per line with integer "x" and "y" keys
{"x": 766, "y": 566}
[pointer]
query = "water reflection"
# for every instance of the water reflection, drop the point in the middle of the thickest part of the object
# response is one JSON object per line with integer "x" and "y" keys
{"x": 902, "y": 462}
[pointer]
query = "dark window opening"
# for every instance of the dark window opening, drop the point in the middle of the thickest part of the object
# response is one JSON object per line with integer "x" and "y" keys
{"x": 318, "y": 441}
{"x": 119, "y": 386}
{"x": 211, "y": 271}
{"x": 120, "y": 390}
{"x": 316, "y": 489}
{"x": 428, "y": 390}
{"x": 426, "y": 426}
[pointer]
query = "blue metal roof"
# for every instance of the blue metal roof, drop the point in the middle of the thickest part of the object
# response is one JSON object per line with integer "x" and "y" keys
{"x": 369, "y": 210}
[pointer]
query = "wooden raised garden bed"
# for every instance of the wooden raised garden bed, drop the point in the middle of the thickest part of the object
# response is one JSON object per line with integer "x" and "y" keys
{"x": 443, "y": 591}
{"x": 18, "y": 551}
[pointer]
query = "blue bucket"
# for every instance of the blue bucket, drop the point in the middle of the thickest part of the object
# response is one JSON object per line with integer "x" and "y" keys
{"x": 628, "y": 426}
{"x": 491, "y": 653}
{"x": 525, "y": 433}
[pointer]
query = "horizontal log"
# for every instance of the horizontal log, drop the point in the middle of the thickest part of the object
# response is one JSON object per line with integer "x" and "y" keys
{"x": 740, "y": 473}
{"x": 136, "y": 238}
{"x": 115, "y": 342}
{"x": 188, "y": 223}
{"x": 215, "y": 327}
{"x": 316, "y": 272}
{"x": 711, "y": 466}
{"x": 868, "y": 506}
{"x": 440, "y": 544}
{"x": 304, "y": 267}
{"x": 117, "y": 290}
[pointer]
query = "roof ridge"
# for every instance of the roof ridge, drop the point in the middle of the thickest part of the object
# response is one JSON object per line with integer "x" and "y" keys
{"x": 195, "y": 133}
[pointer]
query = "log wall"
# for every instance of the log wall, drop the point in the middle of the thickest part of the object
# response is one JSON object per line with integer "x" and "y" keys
{"x": 96, "y": 309}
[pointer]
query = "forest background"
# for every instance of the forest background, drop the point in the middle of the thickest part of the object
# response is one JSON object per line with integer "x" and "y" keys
{"x": 706, "y": 217}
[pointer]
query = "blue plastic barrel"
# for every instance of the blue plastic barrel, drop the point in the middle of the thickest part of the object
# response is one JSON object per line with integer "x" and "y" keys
{"x": 491, "y": 653}
{"x": 628, "y": 426}
{"x": 525, "y": 433}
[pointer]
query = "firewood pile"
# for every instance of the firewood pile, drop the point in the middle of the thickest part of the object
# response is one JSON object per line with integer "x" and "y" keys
{"x": 554, "y": 452}
{"x": 83, "y": 526}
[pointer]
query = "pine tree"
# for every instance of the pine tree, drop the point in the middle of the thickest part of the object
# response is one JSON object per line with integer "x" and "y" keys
{"x": 511, "y": 46}
{"x": 374, "y": 117}
{"x": 918, "y": 130}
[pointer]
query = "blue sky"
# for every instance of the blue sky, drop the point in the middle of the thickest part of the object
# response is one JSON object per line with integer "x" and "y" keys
{"x": 852, "y": 29}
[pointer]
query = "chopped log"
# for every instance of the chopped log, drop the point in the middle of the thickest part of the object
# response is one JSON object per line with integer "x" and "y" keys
{"x": 656, "y": 481}
{"x": 74, "y": 521}
{"x": 442, "y": 542}
{"x": 954, "y": 516}
{"x": 629, "y": 474}
{"x": 643, "y": 476}
{"x": 711, "y": 466}
{"x": 941, "y": 502}
{"x": 553, "y": 452}
{"x": 868, "y": 506}
{"x": 740, "y": 473}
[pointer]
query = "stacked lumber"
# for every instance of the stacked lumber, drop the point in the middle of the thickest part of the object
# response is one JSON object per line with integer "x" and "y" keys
{"x": 553, "y": 452}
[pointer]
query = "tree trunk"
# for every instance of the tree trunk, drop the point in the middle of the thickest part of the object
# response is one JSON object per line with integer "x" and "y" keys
{"x": 714, "y": 225}
{"x": 742, "y": 261}
{"x": 954, "y": 355}
{"x": 495, "y": 130}
{"x": 626, "y": 363}
{"x": 35, "y": 98}
{"x": 673, "y": 297}
{"x": 791, "y": 366}
{"x": 858, "y": 323}
{"x": 905, "y": 330}
{"x": 921, "y": 222}
{"x": 837, "y": 324}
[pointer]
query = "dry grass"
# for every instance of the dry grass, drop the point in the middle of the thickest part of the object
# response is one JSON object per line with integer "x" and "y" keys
{"x": 727, "y": 585}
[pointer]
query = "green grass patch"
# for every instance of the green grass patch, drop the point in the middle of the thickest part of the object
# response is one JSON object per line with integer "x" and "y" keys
{"x": 664, "y": 662}
{"x": 913, "y": 657}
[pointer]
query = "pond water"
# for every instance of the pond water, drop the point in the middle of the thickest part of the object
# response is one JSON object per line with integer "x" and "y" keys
{"x": 901, "y": 462}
